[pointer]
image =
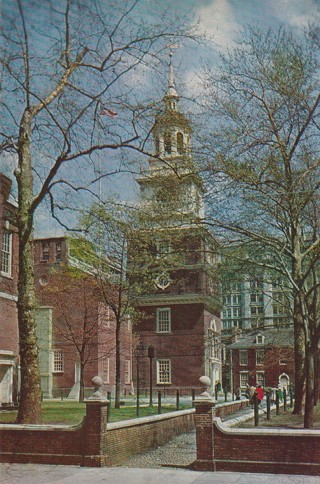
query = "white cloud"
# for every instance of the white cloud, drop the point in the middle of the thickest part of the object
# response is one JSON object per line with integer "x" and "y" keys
{"x": 296, "y": 13}
{"x": 218, "y": 19}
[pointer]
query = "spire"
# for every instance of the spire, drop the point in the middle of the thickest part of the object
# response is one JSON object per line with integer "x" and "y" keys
{"x": 171, "y": 87}
{"x": 171, "y": 96}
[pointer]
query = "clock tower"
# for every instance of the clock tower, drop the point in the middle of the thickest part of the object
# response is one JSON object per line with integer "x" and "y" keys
{"x": 179, "y": 310}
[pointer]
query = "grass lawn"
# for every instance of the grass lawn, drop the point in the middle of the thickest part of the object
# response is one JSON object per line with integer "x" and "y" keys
{"x": 72, "y": 413}
{"x": 284, "y": 420}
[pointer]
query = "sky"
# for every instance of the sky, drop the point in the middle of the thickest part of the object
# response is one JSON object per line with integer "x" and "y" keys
{"x": 223, "y": 20}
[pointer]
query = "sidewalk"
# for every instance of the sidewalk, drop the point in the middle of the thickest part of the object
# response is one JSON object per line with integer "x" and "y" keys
{"x": 48, "y": 474}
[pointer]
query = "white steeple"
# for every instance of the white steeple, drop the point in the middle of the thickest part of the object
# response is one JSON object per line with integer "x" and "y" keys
{"x": 171, "y": 98}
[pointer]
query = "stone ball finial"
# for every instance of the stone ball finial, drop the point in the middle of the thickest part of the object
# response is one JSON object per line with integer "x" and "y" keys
{"x": 97, "y": 383}
{"x": 206, "y": 383}
{"x": 205, "y": 380}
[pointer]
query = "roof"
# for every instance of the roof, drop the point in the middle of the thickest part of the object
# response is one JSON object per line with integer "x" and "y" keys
{"x": 172, "y": 118}
{"x": 272, "y": 337}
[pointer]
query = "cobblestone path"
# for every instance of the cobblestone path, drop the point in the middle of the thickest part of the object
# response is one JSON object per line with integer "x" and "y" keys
{"x": 179, "y": 452}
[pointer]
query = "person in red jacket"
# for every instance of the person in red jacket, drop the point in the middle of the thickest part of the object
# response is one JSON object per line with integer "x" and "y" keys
{"x": 260, "y": 393}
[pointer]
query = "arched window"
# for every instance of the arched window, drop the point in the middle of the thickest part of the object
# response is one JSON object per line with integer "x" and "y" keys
{"x": 180, "y": 146}
{"x": 157, "y": 146}
{"x": 167, "y": 143}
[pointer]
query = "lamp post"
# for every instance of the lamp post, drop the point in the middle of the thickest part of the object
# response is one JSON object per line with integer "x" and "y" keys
{"x": 138, "y": 352}
{"x": 150, "y": 356}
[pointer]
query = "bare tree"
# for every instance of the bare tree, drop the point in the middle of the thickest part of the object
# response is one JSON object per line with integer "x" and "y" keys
{"x": 60, "y": 62}
{"x": 80, "y": 318}
{"x": 263, "y": 172}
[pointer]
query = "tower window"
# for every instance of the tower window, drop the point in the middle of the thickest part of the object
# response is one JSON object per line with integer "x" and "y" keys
{"x": 45, "y": 251}
{"x": 163, "y": 320}
{"x": 58, "y": 251}
{"x": 167, "y": 143}
{"x": 180, "y": 146}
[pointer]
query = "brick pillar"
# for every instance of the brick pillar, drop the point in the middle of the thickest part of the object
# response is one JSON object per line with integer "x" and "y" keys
{"x": 204, "y": 405}
{"x": 204, "y": 434}
{"x": 95, "y": 434}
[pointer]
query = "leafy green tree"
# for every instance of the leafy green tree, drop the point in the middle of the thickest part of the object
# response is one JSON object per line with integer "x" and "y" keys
{"x": 110, "y": 229}
{"x": 261, "y": 159}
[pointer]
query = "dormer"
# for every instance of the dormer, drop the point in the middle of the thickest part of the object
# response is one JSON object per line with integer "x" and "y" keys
{"x": 260, "y": 338}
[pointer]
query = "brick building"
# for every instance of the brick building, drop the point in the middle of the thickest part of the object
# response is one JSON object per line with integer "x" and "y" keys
{"x": 255, "y": 301}
{"x": 179, "y": 315}
{"x": 262, "y": 356}
{"x": 8, "y": 295}
{"x": 74, "y": 324}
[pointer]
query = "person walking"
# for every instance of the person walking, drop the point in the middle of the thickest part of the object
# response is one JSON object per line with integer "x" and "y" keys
{"x": 260, "y": 394}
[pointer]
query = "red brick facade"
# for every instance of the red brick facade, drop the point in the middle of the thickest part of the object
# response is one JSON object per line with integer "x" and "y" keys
{"x": 79, "y": 316}
{"x": 185, "y": 346}
{"x": 264, "y": 356}
{"x": 8, "y": 295}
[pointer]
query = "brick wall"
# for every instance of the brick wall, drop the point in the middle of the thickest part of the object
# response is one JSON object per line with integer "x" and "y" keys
{"x": 131, "y": 437}
{"x": 220, "y": 448}
{"x": 94, "y": 443}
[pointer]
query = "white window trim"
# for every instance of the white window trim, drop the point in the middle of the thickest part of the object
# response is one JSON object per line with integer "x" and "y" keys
{"x": 127, "y": 371}
{"x": 243, "y": 351}
{"x": 8, "y": 253}
{"x": 257, "y": 352}
{"x": 243, "y": 373}
{"x": 263, "y": 374}
{"x": 61, "y": 361}
{"x": 106, "y": 370}
{"x": 262, "y": 339}
{"x": 45, "y": 248}
{"x": 163, "y": 249}
{"x": 168, "y": 381}
{"x": 158, "y": 312}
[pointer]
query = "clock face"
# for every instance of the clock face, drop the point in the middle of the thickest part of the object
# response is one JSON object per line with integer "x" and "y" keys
{"x": 163, "y": 281}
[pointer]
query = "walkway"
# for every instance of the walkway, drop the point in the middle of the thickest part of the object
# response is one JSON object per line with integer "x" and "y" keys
{"x": 180, "y": 451}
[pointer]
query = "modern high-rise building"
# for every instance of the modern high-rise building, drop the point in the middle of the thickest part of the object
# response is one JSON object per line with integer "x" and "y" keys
{"x": 254, "y": 302}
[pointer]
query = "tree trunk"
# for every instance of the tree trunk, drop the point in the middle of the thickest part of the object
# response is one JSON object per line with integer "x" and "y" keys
{"x": 30, "y": 392}
{"x": 316, "y": 377}
{"x": 81, "y": 392}
{"x": 299, "y": 356}
{"x": 118, "y": 367}
{"x": 309, "y": 403}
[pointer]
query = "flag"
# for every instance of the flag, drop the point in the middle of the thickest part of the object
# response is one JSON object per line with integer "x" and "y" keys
{"x": 108, "y": 112}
